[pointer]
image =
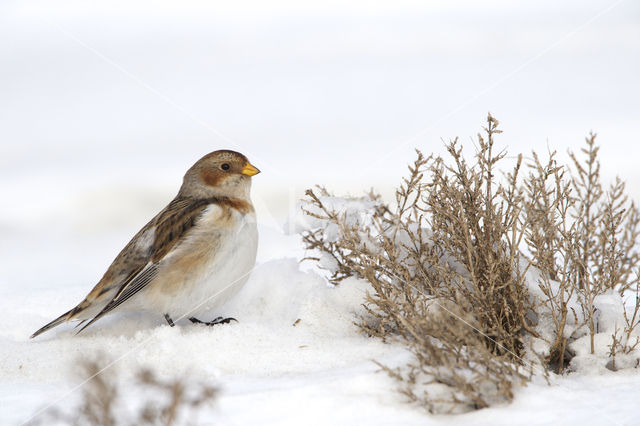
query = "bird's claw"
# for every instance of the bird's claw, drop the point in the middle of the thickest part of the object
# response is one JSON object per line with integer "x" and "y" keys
{"x": 169, "y": 320}
{"x": 216, "y": 321}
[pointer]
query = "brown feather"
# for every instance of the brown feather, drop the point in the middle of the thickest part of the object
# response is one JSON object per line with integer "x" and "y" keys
{"x": 181, "y": 215}
{"x": 173, "y": 223}
{"x": 212, "y": 177}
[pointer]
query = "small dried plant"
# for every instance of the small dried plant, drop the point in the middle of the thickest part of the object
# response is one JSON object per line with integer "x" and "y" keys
{"x": 178, "y": 395}
{"x": 550, "y": 240}
{"x": 467, "y": 269}
{"x": 625, "y": 341}
{"x": 104, "y": 400}
{"x": 445, "y": 275}
{"x": 583, "y": 240}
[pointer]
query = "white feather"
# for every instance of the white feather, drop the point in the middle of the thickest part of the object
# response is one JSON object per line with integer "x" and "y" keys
{"x": 222, "y": 272}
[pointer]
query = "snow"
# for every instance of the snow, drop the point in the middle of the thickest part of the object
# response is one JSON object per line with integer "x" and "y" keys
{"x": 295, "y": 356}
{"x": 264, "y": 356}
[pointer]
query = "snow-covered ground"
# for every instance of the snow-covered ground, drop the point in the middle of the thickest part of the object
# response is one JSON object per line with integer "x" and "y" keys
{"x": 270, "y": 372}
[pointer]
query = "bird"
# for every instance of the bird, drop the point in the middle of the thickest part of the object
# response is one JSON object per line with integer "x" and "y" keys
{"x": 191, "y": 258}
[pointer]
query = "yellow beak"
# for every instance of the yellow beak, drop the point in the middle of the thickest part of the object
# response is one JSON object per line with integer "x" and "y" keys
{"x": 249, "y": 170}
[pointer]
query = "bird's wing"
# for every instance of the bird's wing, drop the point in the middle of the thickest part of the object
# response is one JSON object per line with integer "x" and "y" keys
{"x": 127, "y": 290}
{"x": 174, "y": 223}
{"x": 122, "y": 271}
{"x": 142, "y": 256}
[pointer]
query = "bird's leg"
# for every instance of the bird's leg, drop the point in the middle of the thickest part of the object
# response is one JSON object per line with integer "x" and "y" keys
{"x": 218, "y": 320}
{"x": 169, "y": 320}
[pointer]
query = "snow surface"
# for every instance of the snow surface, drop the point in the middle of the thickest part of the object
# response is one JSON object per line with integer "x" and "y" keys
{"x": 270, "y": 372}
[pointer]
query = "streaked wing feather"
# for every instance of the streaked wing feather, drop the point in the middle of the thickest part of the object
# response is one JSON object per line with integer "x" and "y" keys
{"x": 171, "y": 226}
{"x": 130, "y": 288}
{"x": 174, "y": 222}
{"x": 137, "y": 284}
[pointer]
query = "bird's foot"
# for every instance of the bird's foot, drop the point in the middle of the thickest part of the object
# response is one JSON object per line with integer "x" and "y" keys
{"x": 169, "y": 320}
{"x": 216, "y": 321}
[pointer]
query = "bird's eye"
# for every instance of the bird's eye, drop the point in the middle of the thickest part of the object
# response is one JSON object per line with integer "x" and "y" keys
{"x": 225, "y": 166}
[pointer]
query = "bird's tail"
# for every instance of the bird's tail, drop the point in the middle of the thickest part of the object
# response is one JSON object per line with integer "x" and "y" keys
{"x": 62, "y": 318}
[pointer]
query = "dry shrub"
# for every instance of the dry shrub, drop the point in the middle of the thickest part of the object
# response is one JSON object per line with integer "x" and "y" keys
{"x": 444, "y": 267}
{"x": 105, "y": 400}
{"x": 468, "y": 268}
{"x": 583, "y": 240}
{"x": 625, "y": 341}
{"x": 453, "y": 370}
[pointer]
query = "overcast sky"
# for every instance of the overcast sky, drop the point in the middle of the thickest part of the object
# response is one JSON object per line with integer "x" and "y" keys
{"x": 103, "y": 99}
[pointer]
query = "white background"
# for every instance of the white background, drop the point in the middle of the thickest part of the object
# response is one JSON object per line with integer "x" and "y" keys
{"x": 110, "y": 102}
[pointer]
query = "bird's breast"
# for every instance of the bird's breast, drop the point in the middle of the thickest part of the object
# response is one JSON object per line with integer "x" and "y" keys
{"x": 210, "y": 266}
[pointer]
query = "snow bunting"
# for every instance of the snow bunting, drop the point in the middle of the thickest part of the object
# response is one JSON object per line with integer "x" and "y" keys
{"x": 191, "y": 257}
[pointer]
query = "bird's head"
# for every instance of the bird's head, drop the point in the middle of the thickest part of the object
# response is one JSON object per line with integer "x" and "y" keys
{"x": 221, "y": 173}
